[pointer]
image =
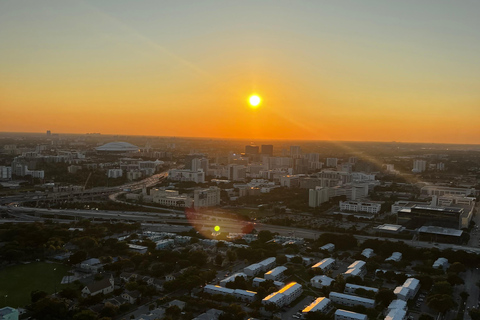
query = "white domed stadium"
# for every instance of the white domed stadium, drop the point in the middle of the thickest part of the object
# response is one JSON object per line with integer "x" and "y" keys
{"x": 118, "y": 147}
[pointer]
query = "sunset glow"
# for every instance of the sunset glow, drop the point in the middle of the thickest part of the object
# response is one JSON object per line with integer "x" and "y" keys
{"x": 346, "y": 71}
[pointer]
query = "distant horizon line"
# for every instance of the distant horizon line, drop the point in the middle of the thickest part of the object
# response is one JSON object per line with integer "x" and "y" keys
{"x": 238, "y": 139}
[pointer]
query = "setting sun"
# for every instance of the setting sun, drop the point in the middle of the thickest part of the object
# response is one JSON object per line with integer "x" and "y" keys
{"x": 254, "y": 100}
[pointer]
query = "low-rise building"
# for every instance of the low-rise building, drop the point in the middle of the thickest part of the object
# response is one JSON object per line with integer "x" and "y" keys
{"x": 256, "y": 282}
{"x": 164, "y": 244}
{"x": 350, "y": 300}
{"x": 322, "y": 304}
{"x": 244, "y": 295}
{"x": 324, "y": 265}
{"x": 328, "y": 247}
{"x": 212, "y": 289}
{"x": 441, "y": 263}
{"x": 285, "y": 295}
{"x": 8, "y": 313}
{"x": 104, "y": 286}
{"x": 368, "y": 253}
{"x": 321, "y": 281}
{"x": 352, "y": 288}
{"x": 349, "y": 315}
{"x": 232, "y": 278}
{"x": 396, "y": 314}
{"x": 276, "y": 273}
{"x": 396, "y": 257}
{"x": 360, "y": 206}
{"x": 91, "y": 265}
{"x": 358, "y": 268}
{"x": 408, "y": 290}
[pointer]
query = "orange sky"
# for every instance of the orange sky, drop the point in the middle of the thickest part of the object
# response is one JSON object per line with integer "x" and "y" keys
{"x": 330, "y": 72}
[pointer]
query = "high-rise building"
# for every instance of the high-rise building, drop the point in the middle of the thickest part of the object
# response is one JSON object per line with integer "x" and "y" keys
{"x": 295, "y": 151}
{"x": 189, "y": 160}
{"x": 267, "y": 150}
{"x": 419, "y": 166}
{"x": 237, "y": 172}
{"x": 317, "y": 196}
{"x": 312, "y": 157}
{"x": 252, "y": 149}
{"x": 332, "y": 162}
{"x": 49, "y": 133}
{"x": 198, "y": 164}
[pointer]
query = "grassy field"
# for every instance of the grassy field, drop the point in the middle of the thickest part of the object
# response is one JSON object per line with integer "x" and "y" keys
{"x": 18, "y": 281}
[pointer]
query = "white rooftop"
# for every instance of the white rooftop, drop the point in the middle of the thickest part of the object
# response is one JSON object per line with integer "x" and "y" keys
{"x": 350, "y": 314}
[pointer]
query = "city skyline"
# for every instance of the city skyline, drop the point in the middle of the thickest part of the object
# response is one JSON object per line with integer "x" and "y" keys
{"x": 403, "y": 72}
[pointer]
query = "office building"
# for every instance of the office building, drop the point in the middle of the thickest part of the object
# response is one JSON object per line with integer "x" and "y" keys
{"x": 186, "y": 175}
{"x": 419, "y": 166}
{"x": 237, "y": 172}
{"x": 442, "y": 191}
{"x": 208, "y": 197}
{"x": 358, "y": 206}
{"x": 418, "y": 216}
{"x": 332, "y": 162}
{"x": 114, "y": 173}
{"x": 5, "y": 173}
{"x": 317, "y": 196}
{"x": 267, "y": 150}
{"x": 252, "y": 150}
{"x": 295, "y": 152}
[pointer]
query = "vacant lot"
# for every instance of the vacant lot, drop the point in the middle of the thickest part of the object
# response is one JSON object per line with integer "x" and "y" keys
{"x": 18, "y": 281}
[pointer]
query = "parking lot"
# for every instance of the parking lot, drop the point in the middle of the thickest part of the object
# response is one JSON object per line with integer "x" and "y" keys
{"x": 294, "y": 312}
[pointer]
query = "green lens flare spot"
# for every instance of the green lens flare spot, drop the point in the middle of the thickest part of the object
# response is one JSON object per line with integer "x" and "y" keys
{"x": 217, "y": 228}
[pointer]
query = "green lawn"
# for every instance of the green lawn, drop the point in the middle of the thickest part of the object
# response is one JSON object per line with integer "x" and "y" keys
{"x": 18, "y": 281}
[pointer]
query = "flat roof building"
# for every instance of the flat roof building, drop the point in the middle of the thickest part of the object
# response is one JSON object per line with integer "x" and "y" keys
{"x": 321, "y": 304}
{"x": 350, "y": 300}
{"x": 349, "y": 315}
{"x": 325, "y": 264}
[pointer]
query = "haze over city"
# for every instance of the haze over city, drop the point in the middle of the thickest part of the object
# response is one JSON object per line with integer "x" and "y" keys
{"x": 345, "y": 70}
{"x": 239, "y": 160}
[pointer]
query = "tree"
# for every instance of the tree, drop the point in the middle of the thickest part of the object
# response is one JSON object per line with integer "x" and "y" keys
{"x": 425, "y": 316}
{"x": 440, "y": 302}
{"x": 474, "y": 314}
{"x": 385, "y": 296}
{"x": 78, "y": 257}
{"x": 49, "y": 309}
{"x": 36, "y": 295}
{"x": 457, "y": 267}
{"x": 85, "y": 315}
{"x": 264, "y": 236}
{"x": 218, "y": 259}
{"x": 464, "y": 295}
{"x": 173, "y": 311}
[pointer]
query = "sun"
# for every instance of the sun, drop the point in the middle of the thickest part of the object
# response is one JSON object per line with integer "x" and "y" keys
{"x": 254, "y": 101}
